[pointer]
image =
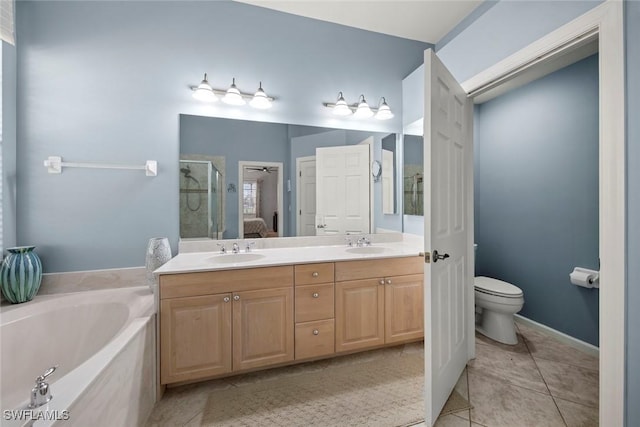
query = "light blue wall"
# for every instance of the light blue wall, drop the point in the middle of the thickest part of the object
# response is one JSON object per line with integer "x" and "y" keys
{"x": 632, "y": 25}
{"x": 105, "y": 81}
{"x": 504, "y": 29}
{"x": 236, "y": 140}
{"x": 8, "y": 145}
{"x": 537, "y": 206}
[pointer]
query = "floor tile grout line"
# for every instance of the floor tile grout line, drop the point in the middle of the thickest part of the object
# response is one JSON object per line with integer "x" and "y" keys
{"x": 511, "y": 383}
{"x": 524, "y": 340}
{"x": 565, "y": 363}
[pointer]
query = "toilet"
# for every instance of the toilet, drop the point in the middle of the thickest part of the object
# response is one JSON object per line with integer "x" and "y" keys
{"x": 496, "y": 303}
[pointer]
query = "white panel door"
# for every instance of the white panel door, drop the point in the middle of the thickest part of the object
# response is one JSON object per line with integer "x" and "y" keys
{"x": 448, "y": 277}
{"x": 306, "y": 196}
{"x": 342, "y": 189}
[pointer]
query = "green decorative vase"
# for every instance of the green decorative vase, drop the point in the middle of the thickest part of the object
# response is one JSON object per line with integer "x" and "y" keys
{"x": 20, "y": 274}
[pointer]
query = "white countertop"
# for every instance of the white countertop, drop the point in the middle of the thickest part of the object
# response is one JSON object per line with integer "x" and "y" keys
{"x": 211, "y": 261}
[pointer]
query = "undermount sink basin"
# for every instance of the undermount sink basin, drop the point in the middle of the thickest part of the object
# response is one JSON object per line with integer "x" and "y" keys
{"x": 368, "y": 250}
{"x": 235, "y": 258}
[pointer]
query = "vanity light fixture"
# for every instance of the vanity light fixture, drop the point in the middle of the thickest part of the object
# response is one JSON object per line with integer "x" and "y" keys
{"x": 204, "y": 91}
{"x": 361, "y": 110}
{"x": 232, "y": 96}
{"x": 384, "y": 112}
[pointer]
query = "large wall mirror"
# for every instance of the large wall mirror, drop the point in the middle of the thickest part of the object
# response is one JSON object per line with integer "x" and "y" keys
{"x": 262, "y": 180}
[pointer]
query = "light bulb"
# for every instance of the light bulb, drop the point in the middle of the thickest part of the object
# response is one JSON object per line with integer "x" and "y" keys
{"x": 260, "y": 99}
{"x": 363, "y": 111}
{"x": 384, "y": 112}
{"x": 341, "y": 108}
{"x": 233, "y": 96}
{"x": 204, "y": 91}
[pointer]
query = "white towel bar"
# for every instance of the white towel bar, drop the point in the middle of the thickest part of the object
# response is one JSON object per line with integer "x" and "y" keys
{"x": 54, "y": 164}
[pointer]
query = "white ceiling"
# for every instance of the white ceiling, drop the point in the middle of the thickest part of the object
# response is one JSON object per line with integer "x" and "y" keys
{"x": 423, "y": 20}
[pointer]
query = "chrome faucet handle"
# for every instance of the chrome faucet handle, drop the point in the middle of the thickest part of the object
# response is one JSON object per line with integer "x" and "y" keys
{"x": 349, "y": 241}
{"x": 41, "y": 392}
{"x": 366, "y": 240}
{"x": 223, "y": 249}
{"x": 248, "y": 246}
{"x": 235, "y": 248}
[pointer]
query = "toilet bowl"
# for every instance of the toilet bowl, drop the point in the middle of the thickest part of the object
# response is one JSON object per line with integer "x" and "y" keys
{"x": 496, "y": 303}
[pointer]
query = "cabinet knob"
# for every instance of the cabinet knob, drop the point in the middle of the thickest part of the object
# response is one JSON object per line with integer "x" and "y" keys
{"x": 316, "y": 332}
{"x": 315, "y": 274}
{"x": 226, "y": 299}
{"x": 315, "y": 295}
{"x": 388, "y": 281}
{"x": 382, "y": 281}
{"x": 236, "y": 297}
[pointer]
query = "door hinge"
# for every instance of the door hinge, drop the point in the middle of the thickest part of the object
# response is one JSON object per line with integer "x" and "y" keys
{"x": 427, "y": 257}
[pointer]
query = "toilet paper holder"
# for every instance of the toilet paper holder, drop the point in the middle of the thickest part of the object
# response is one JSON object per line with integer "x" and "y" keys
{"x": 585, "y": 277}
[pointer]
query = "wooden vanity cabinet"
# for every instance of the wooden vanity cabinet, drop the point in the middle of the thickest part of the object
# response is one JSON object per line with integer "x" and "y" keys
{"x": 219, "y": 322}
{"x": 378, "y": 302}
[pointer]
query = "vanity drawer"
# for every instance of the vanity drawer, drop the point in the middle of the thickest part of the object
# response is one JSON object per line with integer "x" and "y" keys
{"x": 315, "y": 339}
{"x": 373, "y": 269}
{"x": 307, "y": 274}
{"x": 314, "y": 302}
{"x": 222, "y": 281}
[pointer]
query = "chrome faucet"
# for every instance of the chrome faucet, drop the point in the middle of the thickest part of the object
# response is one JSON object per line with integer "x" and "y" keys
{"x": 363, "y": 241}
{"x": 223, "y": 249}
{"x": 41, "y": 393}
{"x": 248, "y": 246}
{"x": 235, "y": 248}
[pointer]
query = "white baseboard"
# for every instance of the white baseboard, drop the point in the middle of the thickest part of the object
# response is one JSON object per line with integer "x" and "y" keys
{"x": 562, "y": 337}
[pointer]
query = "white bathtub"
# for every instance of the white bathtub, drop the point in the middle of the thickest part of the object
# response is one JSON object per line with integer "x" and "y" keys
{"x": 104, "y": 345}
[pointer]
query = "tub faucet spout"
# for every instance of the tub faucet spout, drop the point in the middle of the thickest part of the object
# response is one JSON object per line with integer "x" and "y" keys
{"x": 41, "y": 393}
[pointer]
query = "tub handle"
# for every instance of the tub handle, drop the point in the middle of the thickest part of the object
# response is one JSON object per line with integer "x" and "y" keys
{"x": 41, "y": 392}
{"x": 48, "y": 372}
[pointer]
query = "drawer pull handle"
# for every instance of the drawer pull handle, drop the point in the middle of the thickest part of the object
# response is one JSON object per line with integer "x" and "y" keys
{"x": 236, "y": 298}
{"x": 388, "y": 281}
{"x": 382, "y": 281}
{"x": 315, "y": 295}
{"x": 315, "y": 274}
{"x": 226, "y": 299}
{"x": 316, "y": 332}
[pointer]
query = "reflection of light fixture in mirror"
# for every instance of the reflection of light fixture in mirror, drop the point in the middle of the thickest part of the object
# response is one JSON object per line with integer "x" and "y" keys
{"x": 363, "y": 111}
{"x": 384, "y": 112}
{"x": 204, "y": 91}
{"x": 260, "y": 99}
{"x": 341, "y": 108}
{"x": 233, "y": 96}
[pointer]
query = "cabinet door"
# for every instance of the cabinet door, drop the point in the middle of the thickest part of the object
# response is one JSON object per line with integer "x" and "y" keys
{"x": 262, "y": 328}
{"x": 404, "y": 308}
{"x": 195, "y": 337}
{"x": 359, "y": 314}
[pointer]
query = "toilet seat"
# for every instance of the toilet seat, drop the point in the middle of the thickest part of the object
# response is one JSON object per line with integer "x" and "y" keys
{"x": 490, "y": 286}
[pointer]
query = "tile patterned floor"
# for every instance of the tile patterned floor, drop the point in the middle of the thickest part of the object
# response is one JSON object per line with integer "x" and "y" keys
{"x": 538, "y": 382}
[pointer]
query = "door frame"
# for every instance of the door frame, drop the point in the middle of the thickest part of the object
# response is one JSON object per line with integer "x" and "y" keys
{"x": 298, "y": 192}
{"x": 241, "y": 165}
{"x": 606, "y": 22}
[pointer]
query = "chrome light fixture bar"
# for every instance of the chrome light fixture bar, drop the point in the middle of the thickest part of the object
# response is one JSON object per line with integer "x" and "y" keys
{"x": 232, "y": 96}
{"x": 360, "y": 110}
